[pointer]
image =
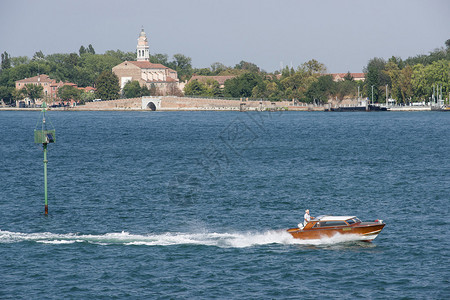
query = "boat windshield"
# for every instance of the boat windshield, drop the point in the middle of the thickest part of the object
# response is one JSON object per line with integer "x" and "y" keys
{"x": 330, "y": 224}
{"x": 353, "y": 221}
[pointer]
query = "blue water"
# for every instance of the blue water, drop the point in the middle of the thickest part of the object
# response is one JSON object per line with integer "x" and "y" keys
{"x": 194, "y": 205}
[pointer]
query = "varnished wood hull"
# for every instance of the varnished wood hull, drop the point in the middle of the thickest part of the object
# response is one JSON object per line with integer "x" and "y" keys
{"x": 366, "y": 231}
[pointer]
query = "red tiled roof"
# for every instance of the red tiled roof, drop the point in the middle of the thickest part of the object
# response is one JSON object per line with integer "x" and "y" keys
{"x": 61, "y": 83}
{"x": 57, "y": 83}
{"x": 70, "y": 83}
{"x": 38, "y": 78}
{"x": 354, "y": 75}
{"x": 358, "y": 75}
{"x": 219, "y": 79}
{"x": 148, "y": 65}
{"x": 88, "y": 88}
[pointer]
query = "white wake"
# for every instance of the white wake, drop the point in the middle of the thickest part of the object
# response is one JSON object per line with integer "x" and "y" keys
{"x": 223, "y": 240}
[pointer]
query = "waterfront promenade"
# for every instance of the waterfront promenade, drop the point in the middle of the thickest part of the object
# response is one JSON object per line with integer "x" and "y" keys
{"x": 172, "y": 103}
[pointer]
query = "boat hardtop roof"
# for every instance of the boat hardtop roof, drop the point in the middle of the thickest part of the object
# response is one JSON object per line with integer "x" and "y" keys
{"x": 333, "y": 218}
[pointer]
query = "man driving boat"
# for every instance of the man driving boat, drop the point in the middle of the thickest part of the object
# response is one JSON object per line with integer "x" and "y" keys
{"x": 307, "y": 217}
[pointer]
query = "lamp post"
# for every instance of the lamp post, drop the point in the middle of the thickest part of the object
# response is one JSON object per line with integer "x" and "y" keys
{"x": 386, "y": 95}
{"x": 372, "y": 94}
{"x": 358, "y": 97}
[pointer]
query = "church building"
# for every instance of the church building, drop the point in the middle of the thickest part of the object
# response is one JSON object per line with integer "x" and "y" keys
{"x": 147, "y": 73}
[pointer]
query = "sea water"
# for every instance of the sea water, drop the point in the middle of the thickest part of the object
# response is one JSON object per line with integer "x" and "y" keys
{"x": 195, "y": 205}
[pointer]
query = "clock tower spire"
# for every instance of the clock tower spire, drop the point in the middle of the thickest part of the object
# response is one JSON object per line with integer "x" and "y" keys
{"x": 142, "y": 49}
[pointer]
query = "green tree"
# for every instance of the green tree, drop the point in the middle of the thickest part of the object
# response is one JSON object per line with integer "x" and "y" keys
{"x": 393, "y": 71}
{"x": 68, "y": 92}
{"x": 241, "y": 86}
{"x": 420, "y": 85}
{"x": 251, "y": 67}
{"x": 406, "y": 88}
{"x": 107, "y": 85}
{"x": 319, "y": 91}
{"x": 267, "y": 89}
{"x": 182, "y": 64}
{"x": 33, "y": 91}
{"x": 217, "y": 68}
{"x": 6, "y": 94}
{"x": 314, "y": 67}
{"x": 195, "y": 88}
{"x": 82, "y": 50}
{"x": 296, "y": 85}
{"x": 39, "y": 55}
{"x": 71, "y": 60}
{"x": 6, "y": 61}
{"x": 438, "y": 73}
{"x": 86, "y": 96}
{"x": 17, "y": 94}
{"x": 159, "y": 58}
{"x": 261, "y": 90}
{"x": 132, "y": 89}
{"x": 91, "y": 66}
{"x": 121, "y": 56}
{"x": 19, "y": 60}
{"x": 286, "y": 72}
{"x": 202, "y": 72}
{"x": 213, "y": 88}
{"x": 376, "y": 77}
{"x": 424, "y": 77}
{"x": 90, "y": 49}
{"x": 435, "y": 55}
{"x": 145, "y": 91}
{"x": 348, "y": 77}
{"x": 344, "y": 88}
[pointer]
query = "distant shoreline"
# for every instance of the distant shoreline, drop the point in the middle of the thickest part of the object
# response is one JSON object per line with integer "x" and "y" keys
{"x": 319, "y": 108}
{"x": 173, "y": 103}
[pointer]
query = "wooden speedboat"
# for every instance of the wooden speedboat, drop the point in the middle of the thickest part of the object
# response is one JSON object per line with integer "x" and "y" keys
{"x": 329, "y": 226}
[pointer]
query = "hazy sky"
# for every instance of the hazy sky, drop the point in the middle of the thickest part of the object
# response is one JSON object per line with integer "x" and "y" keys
{"x": 342, "y": 34}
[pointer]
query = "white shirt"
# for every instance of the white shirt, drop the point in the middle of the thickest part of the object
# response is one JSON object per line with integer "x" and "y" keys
{"x": 307, "y": 218}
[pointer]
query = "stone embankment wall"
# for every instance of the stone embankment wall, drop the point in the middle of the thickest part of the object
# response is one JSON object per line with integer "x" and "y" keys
{"x": 185, "y": 103}
{"x": 119, "y": 104}
{"x": 171, "y": 103}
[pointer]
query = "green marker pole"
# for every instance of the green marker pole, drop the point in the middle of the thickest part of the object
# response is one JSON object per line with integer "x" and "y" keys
{"x": 44, "y": 136}
{"x": 45, "y": 177}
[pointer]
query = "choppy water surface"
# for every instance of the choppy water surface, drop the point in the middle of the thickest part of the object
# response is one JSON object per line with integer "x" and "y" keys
{"x": 194, "y": 205}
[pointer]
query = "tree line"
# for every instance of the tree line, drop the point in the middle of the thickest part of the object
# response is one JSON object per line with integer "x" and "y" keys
{"x": 85, "y": 68}
{"x": 306, "y": 84}
{"x": 407, "y": 80}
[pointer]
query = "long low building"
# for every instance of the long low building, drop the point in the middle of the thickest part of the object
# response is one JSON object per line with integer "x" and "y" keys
{"x": 50, "y": 88}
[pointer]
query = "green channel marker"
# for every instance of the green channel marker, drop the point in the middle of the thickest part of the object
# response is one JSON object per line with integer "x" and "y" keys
{"x": 45, "y": 135}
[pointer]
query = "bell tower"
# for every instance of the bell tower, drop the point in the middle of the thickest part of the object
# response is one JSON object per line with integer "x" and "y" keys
{"x": 142, "y": 49}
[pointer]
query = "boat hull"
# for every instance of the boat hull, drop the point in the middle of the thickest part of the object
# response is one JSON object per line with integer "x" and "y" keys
{"x": 363, "y": 232}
